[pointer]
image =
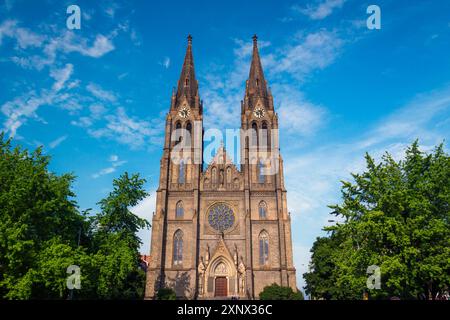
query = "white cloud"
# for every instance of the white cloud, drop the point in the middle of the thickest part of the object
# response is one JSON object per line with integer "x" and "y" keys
{"x": 115, "y": 163}
{"x": 17, "y": 111}
{"x": 321, "y": 9}
{"x": 293, "y": 105}
{"x": 129, "y": 130}
{"x": 122, "y": 75}
{"x": 100, "y": 47}
{"x": 70, "y": 42}
{"x": 24, "y": 37}
{"x": 315, "y": 51}
{"x": 61, "y": 76}
{"x": 100, "y": 93}
{"x": 166, "y": 62}
{"x": 57, "y": 142}
{"x": 20, "y": 109}
{"x": 97, "y": 110}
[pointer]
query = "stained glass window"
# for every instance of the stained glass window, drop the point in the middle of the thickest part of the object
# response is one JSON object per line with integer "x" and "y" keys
{"x": 261, "y": 177}
{"x": 179, "y": 212}
{"x": 221, "y": 217}
{"x": 178, "y": 247}
{"x": 263, "y": 248}
{"x": 262, "y": 210}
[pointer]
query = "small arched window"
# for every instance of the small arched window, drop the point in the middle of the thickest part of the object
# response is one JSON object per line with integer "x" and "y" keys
{"x": 262, "y": 210}
{"x": 178, "y": 247}
{"x": 179, "y": 211}
{"x": 186, "y": 82}
{"x": 263, "y": 248}
{"x": 182, "y": 172}
{"x": 177, "y": 127}
{"x": 254, "y": 135}
{"x": 189, "y": 133}
{"x": 261, "y": 177}
{"x": 265, "y": 136}
{"x": 229, "y": 175}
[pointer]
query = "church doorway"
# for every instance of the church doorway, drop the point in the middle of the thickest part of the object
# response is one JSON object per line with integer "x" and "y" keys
{"x": 221, "y": 288}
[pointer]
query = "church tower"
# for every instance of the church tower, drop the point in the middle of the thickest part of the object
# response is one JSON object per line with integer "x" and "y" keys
{"x": 223, "y": 231}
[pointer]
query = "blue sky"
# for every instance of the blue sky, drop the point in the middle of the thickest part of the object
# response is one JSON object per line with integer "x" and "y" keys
{"x": 96, "y": 98}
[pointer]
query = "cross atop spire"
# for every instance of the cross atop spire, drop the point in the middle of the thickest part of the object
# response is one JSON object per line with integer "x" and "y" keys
{"x": 187, "y": 84}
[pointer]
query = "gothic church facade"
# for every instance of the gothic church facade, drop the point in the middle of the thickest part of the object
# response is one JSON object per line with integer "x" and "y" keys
{"x": 221, "y": 231}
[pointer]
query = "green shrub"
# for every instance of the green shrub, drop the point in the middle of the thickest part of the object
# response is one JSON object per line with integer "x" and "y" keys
{"x": 166, "y": 294}
{"x": 276, "y": 292}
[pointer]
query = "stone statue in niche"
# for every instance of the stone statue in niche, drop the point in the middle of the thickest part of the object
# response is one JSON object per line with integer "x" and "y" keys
{"x": 201, "y": 271}
{"x": 241, "y": 271}
{"x": 221, "y": 176}
{"x": 235, "y": 257}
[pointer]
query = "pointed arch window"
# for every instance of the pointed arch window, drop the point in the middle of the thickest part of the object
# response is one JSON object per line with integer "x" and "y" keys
{"x": 265, "y": 136}
{"x": 254, "y": 135}
{"x": 178, "y": 126}
{"x": 179, "y": 211}
{"x": 182, "y": 172}
{"x": 263, "y": 248}
{"x": 178, "y": 247}
{"x": 262, "y": 210}
{"x": 189, "y": 133}
{"x": 261, "y": 177}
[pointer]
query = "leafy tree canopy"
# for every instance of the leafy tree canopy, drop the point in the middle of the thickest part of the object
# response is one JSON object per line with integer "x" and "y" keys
{"x": 395, "y": 215}
{"x": 42, "y": 233}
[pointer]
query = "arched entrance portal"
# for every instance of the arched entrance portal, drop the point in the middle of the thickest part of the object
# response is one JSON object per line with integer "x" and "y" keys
{"x": 221, "y": 280}
{"x": 222, "y": 275}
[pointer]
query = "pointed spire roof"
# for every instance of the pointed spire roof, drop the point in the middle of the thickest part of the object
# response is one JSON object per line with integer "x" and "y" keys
{"x": 256, "y": 83}
{"x": 187, "y": 84}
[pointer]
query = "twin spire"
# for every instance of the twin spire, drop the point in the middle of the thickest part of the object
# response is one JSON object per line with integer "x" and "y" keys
{"x": 256, "y": 83}
{"x": 188, "y": 86}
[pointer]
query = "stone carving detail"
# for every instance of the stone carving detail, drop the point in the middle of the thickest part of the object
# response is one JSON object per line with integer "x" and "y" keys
{"x": 201, "y": 272}
{"x": 241, "y": 271}
{"x": 221, "y": 269}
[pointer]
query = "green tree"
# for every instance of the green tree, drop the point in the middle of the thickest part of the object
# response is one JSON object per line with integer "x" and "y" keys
{"x": 36, "y": 206}
{"x": 276, "y": 292}
{"x": 395, "y": 215}
{"x": 116, "y": 242}
{"x": 320, "y": 283}
{"x": 42, "y": 233}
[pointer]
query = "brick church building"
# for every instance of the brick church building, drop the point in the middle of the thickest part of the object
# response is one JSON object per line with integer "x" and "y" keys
{"x": 221, "y": 230}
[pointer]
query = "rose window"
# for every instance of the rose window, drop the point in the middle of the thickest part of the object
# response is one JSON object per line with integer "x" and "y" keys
{"x": 221, "y": 217}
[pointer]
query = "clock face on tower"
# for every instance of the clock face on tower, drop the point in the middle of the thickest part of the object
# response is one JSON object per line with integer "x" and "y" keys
{"x": 259, "y": 112}
{"x": 184, "y": 112}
